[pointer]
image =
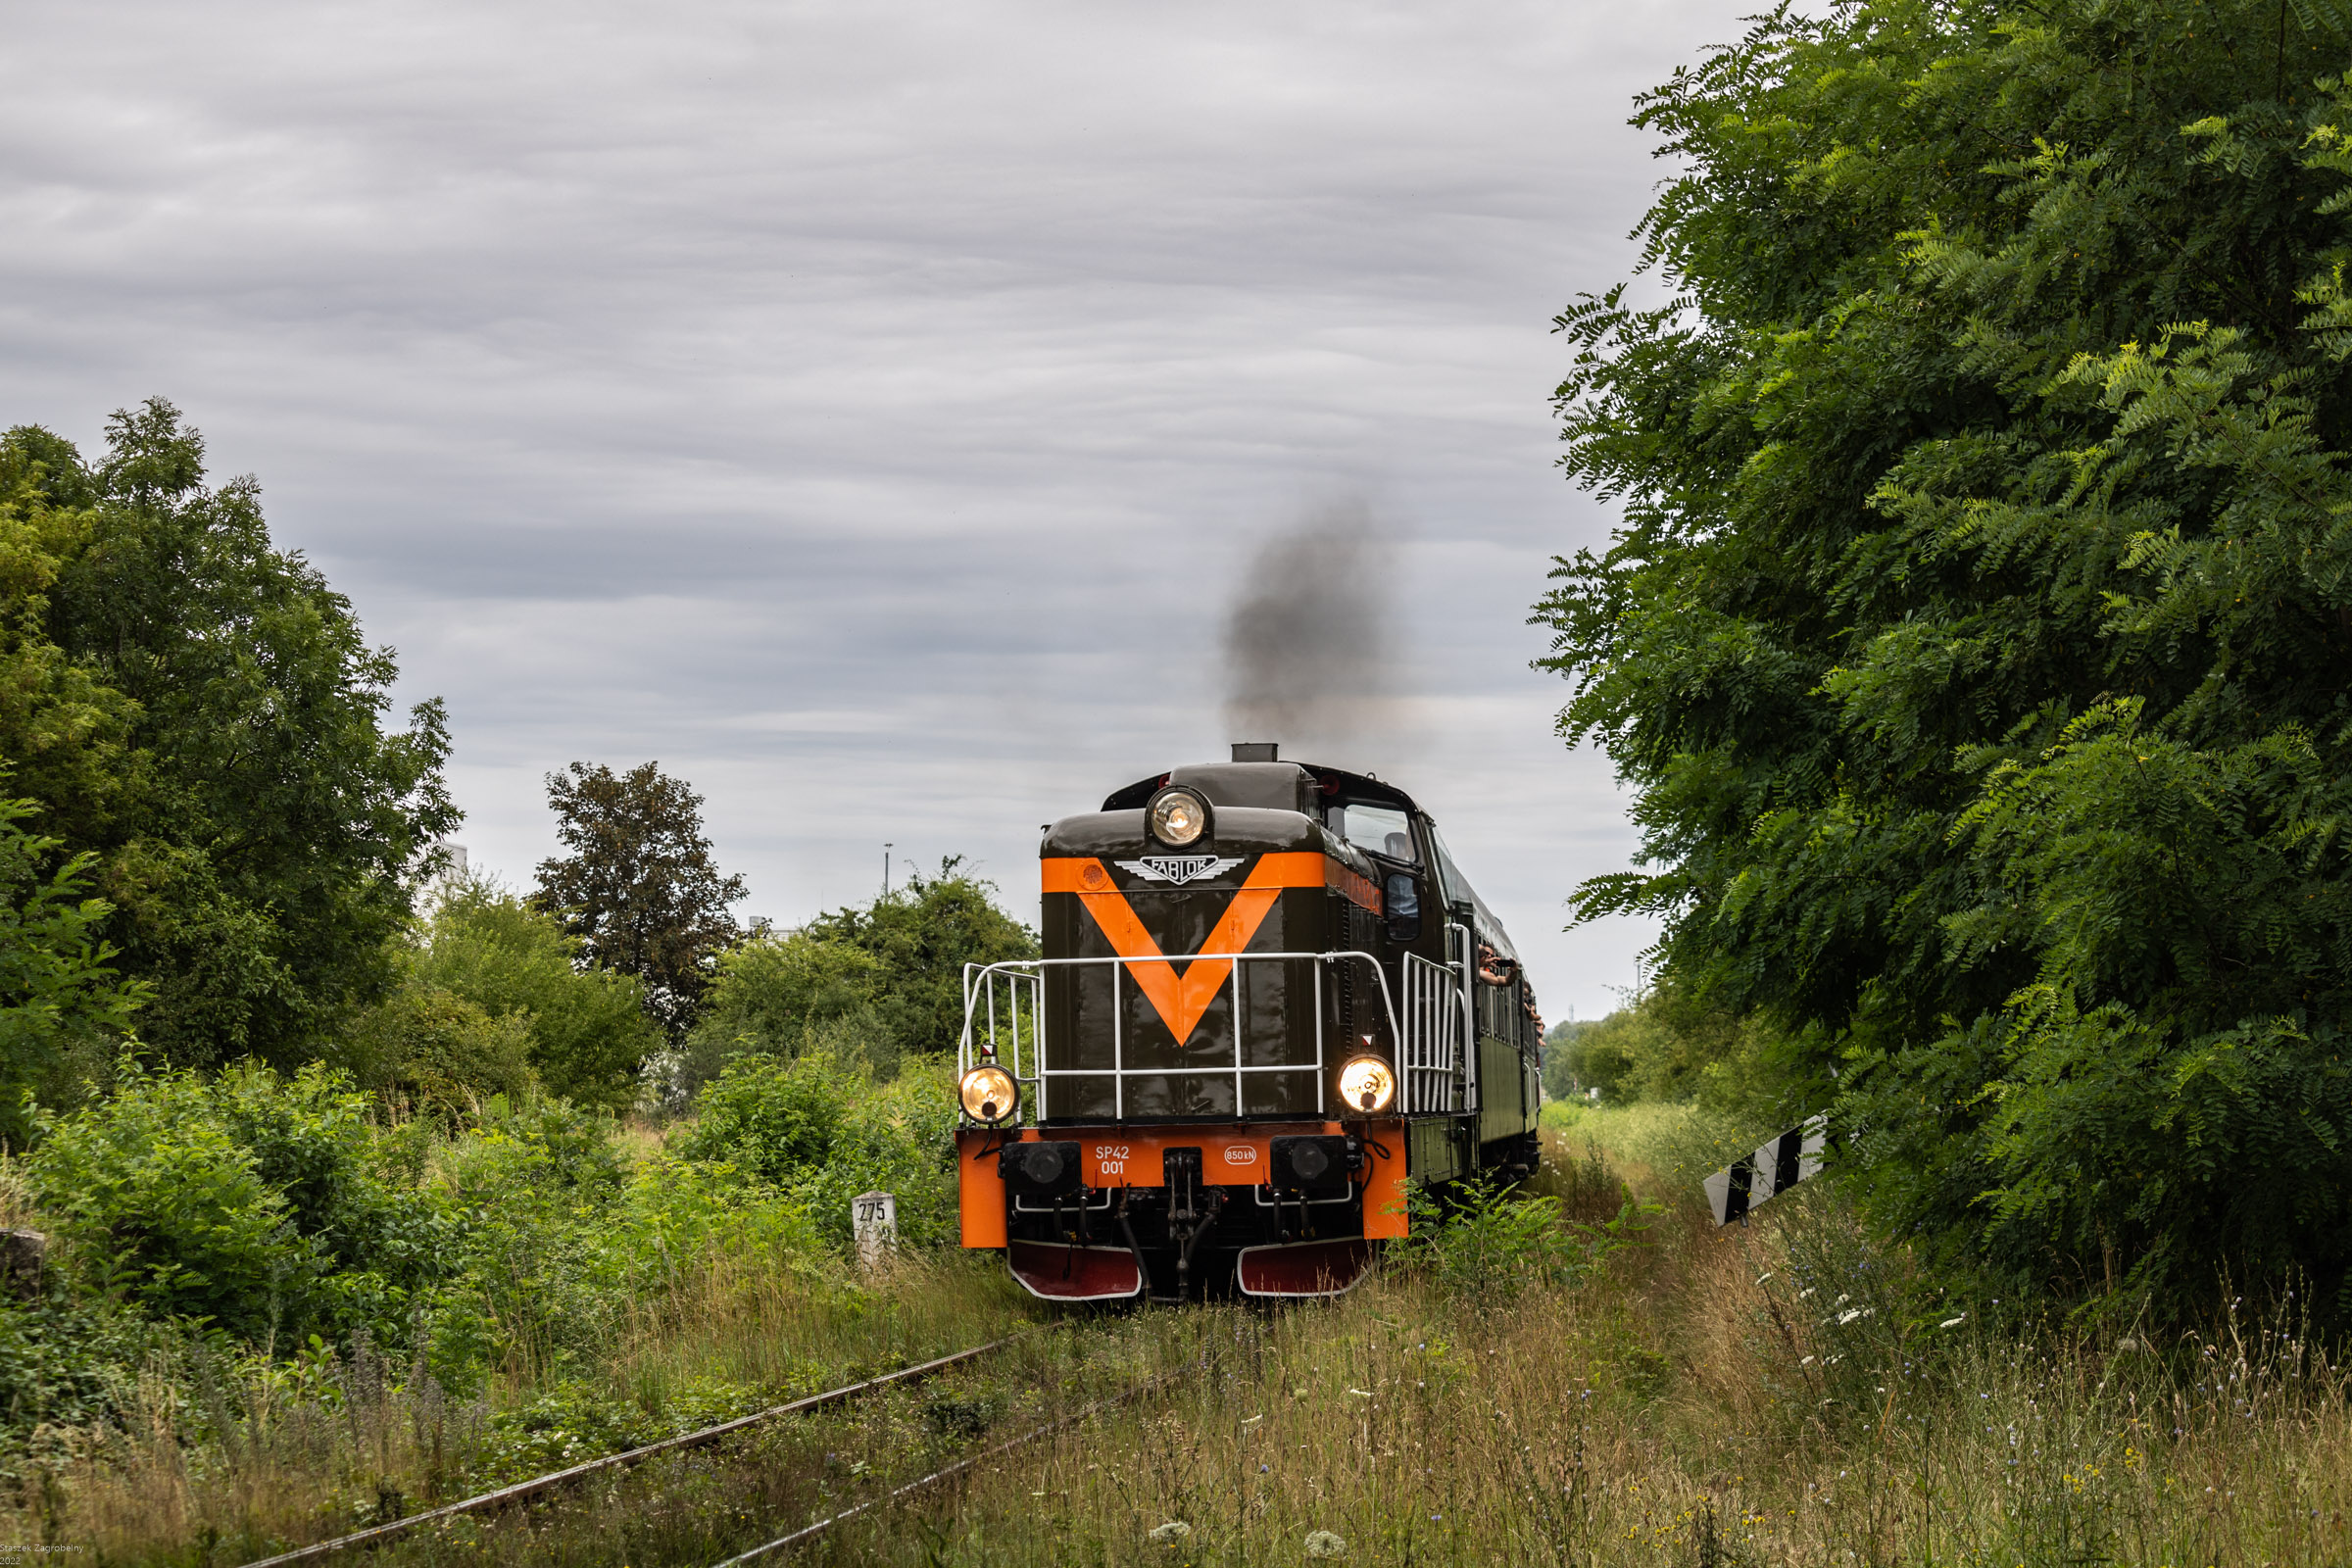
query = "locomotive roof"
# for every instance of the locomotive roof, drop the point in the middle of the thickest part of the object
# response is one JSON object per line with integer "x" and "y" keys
{"x": 1240, "y": 828}
{"x": 1265, "y": 784}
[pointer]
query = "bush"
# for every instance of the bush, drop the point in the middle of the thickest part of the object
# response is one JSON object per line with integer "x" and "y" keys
{"x": 788, "y": 995}
{"x": 63, "y": 1364}
{"x": 538, "y": 1186}
{"x": 823, "y": 1130}
{"x": 164, "y": 1207}
{"x": 441, "y": 1053}
{"x": 586, "y": 1030}
{"x": 349, "y": 1188}
{"x": 1488, "y": 1240}
{"x": 570, "y": 1247}
{"x": 255, "y": 1204}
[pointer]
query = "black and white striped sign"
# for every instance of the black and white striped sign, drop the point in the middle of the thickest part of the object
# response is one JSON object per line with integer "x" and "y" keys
{"x": 1774, "y": 1168}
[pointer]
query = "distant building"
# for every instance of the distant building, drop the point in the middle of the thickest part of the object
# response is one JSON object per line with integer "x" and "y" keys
{"x": 453, "y": 873}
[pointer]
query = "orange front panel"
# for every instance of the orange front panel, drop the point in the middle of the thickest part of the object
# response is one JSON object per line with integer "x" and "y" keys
{"x": 1110, "y": 1157}
{"x": 980, "y": 1191}
{"x": 1384, "y": 1193}
{"x": 1120, "y": 1156}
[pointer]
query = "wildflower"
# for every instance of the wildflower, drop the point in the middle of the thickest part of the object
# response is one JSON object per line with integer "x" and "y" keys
{"x": 1169, "y": 1534}
{"x": 1953, "y": 1322}
{"x": 1323, "y": 1543}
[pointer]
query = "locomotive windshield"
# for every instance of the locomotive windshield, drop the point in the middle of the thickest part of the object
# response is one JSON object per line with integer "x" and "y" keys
{"x": 1381, "y": 829}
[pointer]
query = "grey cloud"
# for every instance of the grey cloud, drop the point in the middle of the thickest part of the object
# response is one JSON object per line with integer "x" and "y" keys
{"x": 866, "y": 408}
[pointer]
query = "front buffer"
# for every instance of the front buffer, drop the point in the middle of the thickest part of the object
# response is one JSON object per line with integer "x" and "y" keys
{"x": 1110, "y": 1213}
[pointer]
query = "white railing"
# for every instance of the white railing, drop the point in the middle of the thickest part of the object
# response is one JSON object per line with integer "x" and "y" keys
{"x": 1429, "y": 1065}
{"x": 1460, "y": 948}
{"x": 1004, "y": 1021}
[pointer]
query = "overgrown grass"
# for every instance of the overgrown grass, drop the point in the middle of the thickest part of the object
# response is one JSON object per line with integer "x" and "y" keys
{"x": 1785, "y": 1393}
{"x": 1554, "y": 1376}
{"x": 583, "y": 1286}
{"x": 1671, "y": 1145}
{"x": 225, "y": 1459}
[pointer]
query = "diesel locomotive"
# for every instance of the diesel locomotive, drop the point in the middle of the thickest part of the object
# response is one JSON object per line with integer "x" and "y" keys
{"x": 1267, "y": 997}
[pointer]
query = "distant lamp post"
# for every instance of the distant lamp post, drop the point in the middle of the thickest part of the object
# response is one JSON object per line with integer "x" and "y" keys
{"x": 886, "y": 868}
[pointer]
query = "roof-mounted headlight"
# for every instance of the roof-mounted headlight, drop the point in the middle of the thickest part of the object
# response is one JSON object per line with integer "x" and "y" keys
{"x": 1367, "y": 1085}
{"x": 989, "y": 1095}
{"x": 1177, "y": 817}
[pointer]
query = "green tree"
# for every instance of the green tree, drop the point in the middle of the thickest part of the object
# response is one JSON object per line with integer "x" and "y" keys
{"x": 640, "y": 888}
{"x": 1975, "y": 635}
{"x": 779, "y": 992}
{"x": 198, "y": 710}
{"x": 63, "y": 1007}
{"x": 439, "y": 1052}
{"x": 919, "y": 939}
{"x": 868, "y": 985}
{"x": 1671, "y": 1044}
{"x": 1562, "y": 1071}
{"x": 588, "y": 1031}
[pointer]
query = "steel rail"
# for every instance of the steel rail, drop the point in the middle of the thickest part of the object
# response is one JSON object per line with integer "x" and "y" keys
{"x": 810, "y": 1532}
{"x": 522, "y": 1489}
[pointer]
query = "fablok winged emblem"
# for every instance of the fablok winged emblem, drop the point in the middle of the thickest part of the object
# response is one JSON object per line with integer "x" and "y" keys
{"x": 1179, "y": 868}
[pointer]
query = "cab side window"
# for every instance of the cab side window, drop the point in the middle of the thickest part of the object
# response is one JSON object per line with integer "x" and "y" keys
{"x": 1401, "y": 896}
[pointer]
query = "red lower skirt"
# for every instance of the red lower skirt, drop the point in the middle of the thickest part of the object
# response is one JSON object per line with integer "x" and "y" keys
{"x": 1061, "y": 1273}
{"x": 1305, "y": 1268}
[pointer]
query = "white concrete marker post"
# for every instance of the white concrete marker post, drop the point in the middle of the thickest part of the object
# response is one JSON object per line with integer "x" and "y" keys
{"x": 874, "y": 1217}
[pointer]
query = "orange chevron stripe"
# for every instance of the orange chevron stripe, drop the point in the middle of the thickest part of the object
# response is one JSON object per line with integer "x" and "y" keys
{"x": 1180, "y": 1001}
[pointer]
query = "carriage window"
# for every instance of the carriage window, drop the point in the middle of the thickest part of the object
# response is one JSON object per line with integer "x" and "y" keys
{"x": 1381, "y": 829}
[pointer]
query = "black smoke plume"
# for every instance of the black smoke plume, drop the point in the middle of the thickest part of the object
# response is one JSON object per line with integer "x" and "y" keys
{"x": 1307, "y": 646}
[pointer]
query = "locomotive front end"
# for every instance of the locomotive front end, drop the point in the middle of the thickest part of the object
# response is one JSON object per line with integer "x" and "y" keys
{"x": 1205, "y": 1080}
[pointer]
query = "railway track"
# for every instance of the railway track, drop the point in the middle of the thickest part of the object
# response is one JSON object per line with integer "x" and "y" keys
{"x": 522, "y": 1490}
{"x": 810, "y": 1532}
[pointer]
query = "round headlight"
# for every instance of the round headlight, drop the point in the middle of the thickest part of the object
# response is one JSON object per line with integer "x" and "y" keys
{"x": 1178, "y": 817}
{"x": 1367, "y": 1085}
{"x": 989, "y": 1095}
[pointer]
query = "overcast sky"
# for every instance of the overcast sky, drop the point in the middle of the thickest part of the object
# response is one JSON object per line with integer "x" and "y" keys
{"x": 872, "y": 411}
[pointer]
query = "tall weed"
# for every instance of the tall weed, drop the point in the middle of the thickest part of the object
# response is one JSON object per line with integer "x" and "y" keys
{"x": 1488, "y": 1239}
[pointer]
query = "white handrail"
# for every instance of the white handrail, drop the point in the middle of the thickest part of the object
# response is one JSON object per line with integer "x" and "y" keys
{"x": 1466, "y": 963}
{"x": 1017, "y": 1049}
